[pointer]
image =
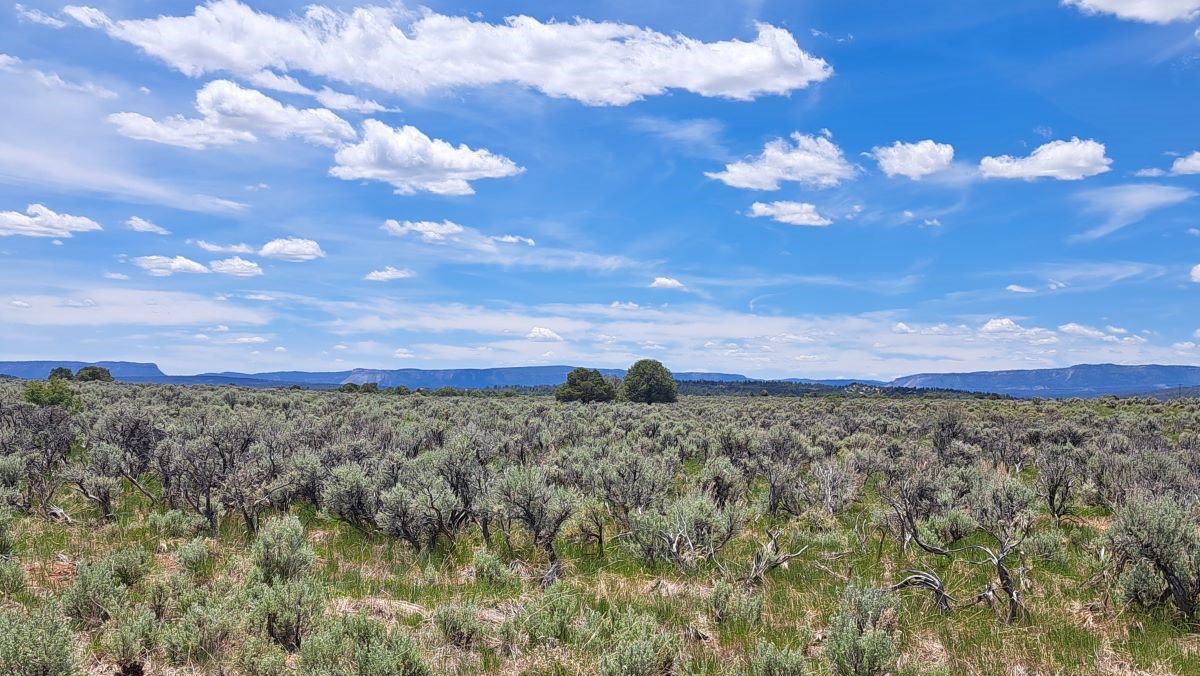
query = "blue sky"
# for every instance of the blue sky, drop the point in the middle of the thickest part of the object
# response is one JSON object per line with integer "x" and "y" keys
{"x": 818, "y": 189}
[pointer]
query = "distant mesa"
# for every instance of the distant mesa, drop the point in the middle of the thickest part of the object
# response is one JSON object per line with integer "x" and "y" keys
{"x": 1084, "y": 380}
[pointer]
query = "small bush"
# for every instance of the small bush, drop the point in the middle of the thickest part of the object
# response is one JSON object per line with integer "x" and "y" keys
{"x": 177, "y": 524}
{"x": 39, "y": 644}
{"x": 288, "y": 610}
{"x": 195, "y": 557}
{"x": 258, "y": 657}
{"x": 280, "y": 551}
{"x": 7, "y": 544}
{"x": 727, "y": 603}
{"x": 128, "y": 639}
{"x": 201, "y": 633}
{"x": 94, "y": 595}
{"x": 457, "y": 625}
{"x": 769, "y": 659}
{"x": 861, "y": 639}
{"x": 633, "y": 644}
{"x": 357, "y": 644}
{"x": 1046, "y": 546}
{"x": 350, "y": 495}
{"x": 548, "y": 618}
{"x": 12, "y": 578}
{"x": 1140, "y": 584}
{"x": 128, "y": 566}
{"x": 489, "y": 570}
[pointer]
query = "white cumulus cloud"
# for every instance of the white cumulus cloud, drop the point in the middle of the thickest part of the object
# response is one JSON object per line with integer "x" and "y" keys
{"x": 39, "y": 221}
{"x": 1017, "y": 288}
{"x": 1189, "y": 164}
{"x": 138, "y": 224}
{"x": 411, "y": 52}
{"x": 412, "y": 162}
{"x": 236, "y": 267}
{"x": 1146, "y": 11}
{"x": 542, "y": 334}
{"x": 667, "y": 283}
{"x": 292, "y": 249}
{"x": 165, "y": 266}
{"x": 810, "y": 160}
{"x": 913, "y": 160}
{"x": 792, "y": 213}
{"x": 1196, "y": 277}
{"x": 233, "y": 114}
{"x": 1062, "y": 160}
{"x": 388, "y": 274}
{"x": 429, "y": 231}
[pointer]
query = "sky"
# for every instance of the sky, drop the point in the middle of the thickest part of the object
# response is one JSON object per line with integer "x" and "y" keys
{"x": 775, "y": 188}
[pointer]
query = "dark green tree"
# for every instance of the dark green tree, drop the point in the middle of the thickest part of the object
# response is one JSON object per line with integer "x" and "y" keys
{"x": 94, "y": 373}
{"x": 649, "y": 382}
{"x": 585, "y": 385}
{"x": 61, "y": 373}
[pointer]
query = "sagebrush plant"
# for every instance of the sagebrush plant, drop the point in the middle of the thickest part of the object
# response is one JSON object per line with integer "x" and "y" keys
{"x": 367, "y": 533}
{"x": 862, "y": 637}
{"x": 769, "y": 659}
{"x": 195, "y": 557}
{"x": 457, "y": 625}
{"x": 281, "y": 550}
{"x": 36, "y": 644}
{"x": 357, "y": 644}
{"x": 129, "y": 638}
{"x": 95, "y": 594}
{"x": 490, "y": 571}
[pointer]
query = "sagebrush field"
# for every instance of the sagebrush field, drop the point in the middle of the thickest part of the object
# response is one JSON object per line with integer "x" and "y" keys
{"x": 158, "y": 529}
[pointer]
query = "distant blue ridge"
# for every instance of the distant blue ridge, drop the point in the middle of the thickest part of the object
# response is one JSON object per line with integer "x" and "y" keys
{"x": 1084, "y": 380}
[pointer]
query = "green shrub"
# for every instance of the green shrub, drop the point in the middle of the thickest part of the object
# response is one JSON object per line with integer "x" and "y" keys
{"x": 548, "y": 618}
{"x": 128, "y": 566}
{"x": 196, "y": 557}
{"x": 861, "y": 639}
{"x": 1046, "y": 546}
{"x": 258, "y": 657}
{"x": 457, "y": 625}
{"x": 359, "y": 646}
{"x": 201, "y": 632}
{"x": 727, "y": 603}
{"x": 490, "y": 571}
{"x": 632, "y": 644}
{"x": 176, "y": 524}
{"x": 39, "y": 644}
{"x": 51, "y": 393}
{"x": 12, "y": 469}
{"x": 769, "y": 659}
{"x": 691, "y": 529}
{"x": 12, "y": 578}
{"x": 1140, "y": 584}
{"x": 94, "y": 595}
{"x": 129, "y": 638}
{"x": 350, "y": 495}
{"x": 288, "y": 609}
{"x": 7, "y": 543}
{"x": 281, "y": 551}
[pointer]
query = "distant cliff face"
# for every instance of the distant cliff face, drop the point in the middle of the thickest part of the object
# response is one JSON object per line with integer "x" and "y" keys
{"x": 1084, "y": 380}
{"x": 121, "y": 370}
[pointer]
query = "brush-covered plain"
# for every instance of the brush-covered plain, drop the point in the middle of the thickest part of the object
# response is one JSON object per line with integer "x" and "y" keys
{"x": 180, "y": 530}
